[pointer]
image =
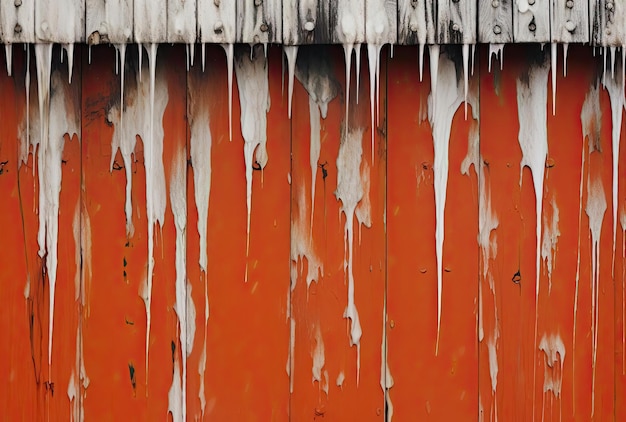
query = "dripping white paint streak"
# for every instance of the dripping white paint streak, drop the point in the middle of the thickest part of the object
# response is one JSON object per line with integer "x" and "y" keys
{"x": 554, "y": 350}
{"x": 590, "y": 118}
{"x": 254, "y": 96}
{"x": 550, "y": 240}
{"x": 292, "y": 53}
{"x": 58, "y": 116}
{"x": 595, "y": 210}
{"x": 350, "y": 192}
{"x": 615, "y": 88}
{"x": 532, "y": 93}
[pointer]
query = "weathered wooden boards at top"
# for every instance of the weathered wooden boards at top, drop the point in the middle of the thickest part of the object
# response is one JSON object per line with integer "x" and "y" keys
{"x": 296, "y": 22}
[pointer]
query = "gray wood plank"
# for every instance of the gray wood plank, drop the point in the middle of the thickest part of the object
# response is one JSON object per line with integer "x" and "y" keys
{"x": 606, "y": 21}
{"x": 417, "y": 23}
{"x": 495, "y": 21}
{"x": 456, "y": 22}
{"x": 60, "y": 21}
{"x": 381, "y": 25}
{"x": 569, "y": 21}
{"x": 109, "y": 21}
{"x": 181, "y": 21}
{"x": 347, "y": 18}
{"x": 259, "y": 21}
{"x": 306, "y": 22}
{"x": 150, "y": 21}
{"x": 17, "y": 19}
{"x": 531, "y": 21}
{"x": 217, "y": 21}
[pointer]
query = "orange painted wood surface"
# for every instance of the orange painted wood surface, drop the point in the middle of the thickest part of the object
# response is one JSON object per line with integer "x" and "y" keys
{"x": 274, "y": 341}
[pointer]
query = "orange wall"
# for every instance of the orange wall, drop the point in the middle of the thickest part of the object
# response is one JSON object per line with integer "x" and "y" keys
{"x": 263, "y": 335}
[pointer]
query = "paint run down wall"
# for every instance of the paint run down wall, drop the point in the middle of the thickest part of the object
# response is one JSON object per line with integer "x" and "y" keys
{"x": 279, "y": 236}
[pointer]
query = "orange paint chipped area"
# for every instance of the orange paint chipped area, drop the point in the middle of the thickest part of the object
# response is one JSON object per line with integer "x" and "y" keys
{"x": 273, "y": 347}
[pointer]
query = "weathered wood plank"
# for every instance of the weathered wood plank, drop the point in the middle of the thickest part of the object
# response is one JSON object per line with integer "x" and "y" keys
{"x": 216, "y": 21}
{"x": 416, "y": 22}
{"x": 109, "y": 21}
{"x": 17, "y": 21}
{"x": 569, "y": 21}
{"x": 456, "y": 22}
{"x": 381, "y": 24}
{"x": 531, "y": 21}
{"x": 150, "y": 21}
{"x": 259, "y": 21}
{"x": 181, "y": 21}
{"x": 61, "y": 21}
{"x": 495, "y": 21}
{"x": 348, "y": 20}
{"x": 606, "y": 21}
{"x": 306, "y": 22}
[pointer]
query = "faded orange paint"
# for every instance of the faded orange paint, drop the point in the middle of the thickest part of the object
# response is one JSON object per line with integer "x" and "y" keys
{"x": 247, "y": 374}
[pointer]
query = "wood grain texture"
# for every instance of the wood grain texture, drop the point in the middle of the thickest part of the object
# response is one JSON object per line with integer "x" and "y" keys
{"x": 259, "y": 21}
{"x": 531, "y": 23}
{"x": 606, "y": 23}
{"x": 300, "y": 15}
{"x": 109, "y": 21}
{"x": 416, "y": 22}
{"x": 456, "y": 22}
{"x": 150, "y": 21}
{"x": 216, "y": 21}
{"x": 181, "y": 21}
{"x": 381, "y": 23}
{"x": 569, "y": 21}
{"x": 17, "y": 22}
{"x": 347, "y": 18}
{"x": 495, "y": 21}
{"x": 61, "y": 21}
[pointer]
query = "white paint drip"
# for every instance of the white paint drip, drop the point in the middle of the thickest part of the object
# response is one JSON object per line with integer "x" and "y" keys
{"x": 8, "y": 50}
{"x": 433, "y": 52}
{"x": 590, "y": 118}
{"x": 254, "y": 96}
{"x": 532, "y": 94}
{"x": 200, "y": 152}
{"x": 550, "y": 240}
{"x": 178, "y": 201}
{"x": 357, "y": 68}
{"x": 229, "y": 50}
{"x": 386, "y": 380}
{"x": 292, "y": 54}
{"x": 565, "y": 49}
{"x": 553, "y": 58}
{"x": 350, "y": 192}
{"x": 302, "y": 244}
{"x": 595, "y": 210}
{"x": 615, "y": 88}
{"x": 174, "y": 396}
{"x": 421, "y": 60}
{"x": 442, "y": 105}
{"x": 318, "y": 357}
{"x": 81, "y": 227}
{"x": 57, "y": 117}
{"x": 149, "y": 101}
{"x": 340, "y": 379}
{"x": 623, "y": 224}
{"x": 465, "y": 76}
{"x": 554, "y": 351}
{"x": 373, "y": 54}
{"x": 69, "y": 49}
{"x": 496, "y": 50}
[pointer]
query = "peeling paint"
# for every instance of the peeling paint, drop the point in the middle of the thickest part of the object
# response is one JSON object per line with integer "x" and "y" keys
{"x": 551, "y": 235}
{"x": 554, "y": 358}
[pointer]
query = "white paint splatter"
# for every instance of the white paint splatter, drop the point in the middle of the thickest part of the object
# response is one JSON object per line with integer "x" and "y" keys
{"x": 595, "y": 210}
{"x": 254, "y": 96}
{"x": 350, "y": 192}
{"x": 615, "y": 88}
{"x": 550, "y": 240}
